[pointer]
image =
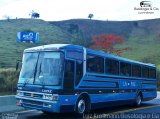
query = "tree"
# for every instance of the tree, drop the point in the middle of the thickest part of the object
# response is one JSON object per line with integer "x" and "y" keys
{"x": 106, "y": 43}
{"x": 34, "y": 14}
{"x": 7, "y": 17}
{"x": 90, "y": 16}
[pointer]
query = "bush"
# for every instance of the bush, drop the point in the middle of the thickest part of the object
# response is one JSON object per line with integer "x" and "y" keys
{"x": 8, "y": 80}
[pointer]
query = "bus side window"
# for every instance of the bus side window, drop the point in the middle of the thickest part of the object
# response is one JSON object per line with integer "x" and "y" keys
{"x": 136, "y": 71}
{"x": 69, "y": 69}
{"x": 112, "y": 67}
{"x": 152, "y": 73}
{"x": 69, "y": 75}
{"x": 125, "y": 69}
{"x": 79, "y": 71}
{"x": 95, "y": 64}
{"x": 145, "y": 72}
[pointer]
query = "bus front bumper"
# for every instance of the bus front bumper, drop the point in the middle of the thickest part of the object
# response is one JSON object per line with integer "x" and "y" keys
{"x": 38, "y": 104}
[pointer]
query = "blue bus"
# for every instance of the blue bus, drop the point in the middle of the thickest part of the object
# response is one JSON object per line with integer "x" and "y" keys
{"x": 71, "y": 78}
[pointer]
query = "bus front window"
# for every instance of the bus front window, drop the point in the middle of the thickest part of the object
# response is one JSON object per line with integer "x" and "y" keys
{"x": 49, "y": 69}
{"x": 43, "y": 69}
{"x": 28, "y": 67}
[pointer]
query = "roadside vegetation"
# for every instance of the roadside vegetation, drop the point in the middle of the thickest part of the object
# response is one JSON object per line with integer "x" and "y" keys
{"x": 158, "y": 68}
{"x": 8, "y": 81}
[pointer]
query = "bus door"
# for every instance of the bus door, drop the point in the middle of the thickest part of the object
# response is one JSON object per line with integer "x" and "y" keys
{"x": 69, "y": 76}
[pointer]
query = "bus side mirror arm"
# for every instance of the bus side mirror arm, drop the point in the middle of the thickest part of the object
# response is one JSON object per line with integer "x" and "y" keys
{"x": 17, "y": 64}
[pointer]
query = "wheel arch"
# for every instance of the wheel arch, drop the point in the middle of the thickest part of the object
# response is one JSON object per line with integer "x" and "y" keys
{"x": 140, "y": 93}
{"x": 86, "y": 96}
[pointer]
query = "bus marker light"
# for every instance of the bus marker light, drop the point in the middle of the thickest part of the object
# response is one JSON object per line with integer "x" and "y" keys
{"x": 100, "y": 91}
{"x": 77, "y": 93}
{"x": 67, "y": 100}
{"x": 19, "y": 103}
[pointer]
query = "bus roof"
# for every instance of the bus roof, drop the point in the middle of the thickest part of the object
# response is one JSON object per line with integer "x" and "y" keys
{"x": 77, "y": 47}
{"x": 53, "y": 47}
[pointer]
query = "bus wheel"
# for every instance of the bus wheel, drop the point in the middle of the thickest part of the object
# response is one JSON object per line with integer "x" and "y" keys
{"x": 138, "y": 100}
{"x": 82, "y": 106}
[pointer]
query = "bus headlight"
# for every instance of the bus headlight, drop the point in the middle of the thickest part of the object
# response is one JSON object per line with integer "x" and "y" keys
{"x": 55, "y": 97}
{"x": 50, "y": 97}
{"x": 19, "y": 93}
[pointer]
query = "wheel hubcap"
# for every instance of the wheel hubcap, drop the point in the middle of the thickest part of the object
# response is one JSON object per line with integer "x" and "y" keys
{"x": 139, "y": 100}
{"x": 81, "y": 106}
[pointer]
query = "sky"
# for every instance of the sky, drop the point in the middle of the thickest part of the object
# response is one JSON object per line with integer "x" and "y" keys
{"x": 56, "y": 10}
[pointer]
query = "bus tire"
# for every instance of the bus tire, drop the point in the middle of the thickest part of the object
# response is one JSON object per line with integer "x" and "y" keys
{"x": 82, "y": 105}
{"x": 138, "y": 100}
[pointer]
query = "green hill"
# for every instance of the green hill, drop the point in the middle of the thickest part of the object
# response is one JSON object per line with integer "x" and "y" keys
{"x": 143, "y": 37}
{"x": 11, "y": 51}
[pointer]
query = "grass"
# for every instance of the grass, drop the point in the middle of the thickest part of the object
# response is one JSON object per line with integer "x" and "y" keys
{"x": 146, "y": 53}
{"x": 12, "y": 51}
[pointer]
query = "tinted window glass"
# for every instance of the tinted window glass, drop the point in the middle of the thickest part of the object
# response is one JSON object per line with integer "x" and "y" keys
{"x": 125, "y": 69}
{"x": 95, "y": 64}
{"x": 136, "y": 70}
{"x": 49, "y": 69}
{"x": 152, "y": 73}
{"x": 69, "y": 75}
{"x": 74, "y": 55}
{"x": 145, "y": 72}
{"x": 79, "y": 71}
{"x": 112, "y": 66}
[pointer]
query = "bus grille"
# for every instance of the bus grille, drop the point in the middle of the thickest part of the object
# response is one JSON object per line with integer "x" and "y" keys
{"x": 33, "y": 95}
{"x": 32, "y": 104}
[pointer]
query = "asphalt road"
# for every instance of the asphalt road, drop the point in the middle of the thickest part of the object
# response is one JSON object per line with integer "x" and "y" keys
{"x": 148, "y": 110}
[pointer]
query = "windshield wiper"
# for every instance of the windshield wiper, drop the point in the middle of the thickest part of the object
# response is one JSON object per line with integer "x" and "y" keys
{"x": 26, "y": 82}
{"x": 35, "y": 70}
{"x": 40, "y": 71}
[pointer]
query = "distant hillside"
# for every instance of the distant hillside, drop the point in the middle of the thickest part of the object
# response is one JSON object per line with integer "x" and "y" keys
{"x": 96, "y": 27}
{"x": 143, "y": 37}
{"x": 11, "y": 51}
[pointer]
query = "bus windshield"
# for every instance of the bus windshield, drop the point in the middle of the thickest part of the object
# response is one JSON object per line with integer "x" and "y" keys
{"x": 42, "y": 68}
